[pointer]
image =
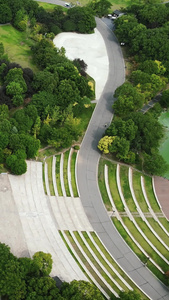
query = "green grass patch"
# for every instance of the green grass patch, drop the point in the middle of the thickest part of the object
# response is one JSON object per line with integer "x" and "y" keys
{"x": 113, "y": 263}
{"x": 65, "y": 168}
{"x": 128, "y": 240}
{"x": 102, "y": 186}
{"x": 165, "y": 223}
{"x": 126, "y": 189}
{"x": 101, "y": 259}
{"x": 138, "y": 191}
{"x": 85, "y": 116}
{"x": 144, "y": 244}
{"x": 17, "y": 45}
{"x": 157, "y": 273}
{"x": 152, "y": 238}
{"x": 73, "y": 177}
{"x": 71, "y": 252}
{"x": 113, "y": 186}
{"x": 150, "y": 193}
{"x": 57, "y": 173}
{"x": 50, "y": 179}
{"x": 47, "y": 6}
{"x": 92, "y": 259}
{"x": 159, "y": 230}
{"x": 46, "y": 152}
{"x": 43, "y": 178}
{"x": 85, "y": 262}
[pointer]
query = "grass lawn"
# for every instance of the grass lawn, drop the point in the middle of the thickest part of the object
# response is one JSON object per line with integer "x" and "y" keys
{"x": 57, "y": 173}
{"x": 50, "y": 179}
{"x": 73, "y": 178}
{"x": 126, "y": 189}
{"x": 152, "y": 238}
{"x": 150, "y": 193}
{"x": 138, "y": 191}
{"x": 144, "y": 244}
{"x": 159, "y": 230}
{"x": 65, "y": 177}
{"x": 101, "y": 259}
{"x": 102, "y": 186}
{"x": 165, "y": 223}
{"x": 113, "y": 186}
{"x": 95, "y": 263}
{"x": 47, "y": 6}
{"x": 85, "y": 262}
{"x": 17, "y": 45}
{"x": 43, "y": 177}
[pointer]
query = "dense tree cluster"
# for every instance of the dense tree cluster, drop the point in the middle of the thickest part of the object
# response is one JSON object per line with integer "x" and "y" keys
{"x": 142, "y": 85}
{"x": 28, "y": 279}
{"x": 145, "y": 29}
{"x": 134, "y": 137}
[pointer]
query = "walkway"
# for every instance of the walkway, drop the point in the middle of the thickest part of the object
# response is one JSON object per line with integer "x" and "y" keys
{"x": 87, "y": 176}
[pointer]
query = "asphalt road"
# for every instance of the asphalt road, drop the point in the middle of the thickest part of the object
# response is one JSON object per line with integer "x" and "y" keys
{"x": 87, "y": 169}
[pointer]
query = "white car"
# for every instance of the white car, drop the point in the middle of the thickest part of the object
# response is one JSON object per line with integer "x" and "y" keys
{"x": 67, "y": 4}
{"x": 111, "y": 17}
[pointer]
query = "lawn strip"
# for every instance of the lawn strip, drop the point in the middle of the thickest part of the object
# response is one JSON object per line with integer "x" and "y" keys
{"x": 150, "y": 193}
{"x": 65, "y": 169}
{"x": 58, "y": 183}
{"x": 152, "y": 238}
{"x": 43, "y": 177}
{"x": 87, "y": 265}
{"x": 92, "y": 259}
{"x": 73, "y": 177}
{"x": 102, "y": 186}
{"x": 139, "y": 238}
{"x": 50, "y": 178}
{"x": 138, "y": 191}
{"x": 126, "y": 189}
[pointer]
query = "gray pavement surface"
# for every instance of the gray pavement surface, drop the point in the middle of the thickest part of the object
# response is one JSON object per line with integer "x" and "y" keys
{"x": 87, "y": 169}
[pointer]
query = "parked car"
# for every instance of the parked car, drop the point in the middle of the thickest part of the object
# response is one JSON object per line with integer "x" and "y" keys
{"x": 112, "y": 17}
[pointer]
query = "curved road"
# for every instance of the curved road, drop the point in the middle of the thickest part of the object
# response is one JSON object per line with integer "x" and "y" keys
{"x": 87, "y": 173}
{"x": 87, "y": 176}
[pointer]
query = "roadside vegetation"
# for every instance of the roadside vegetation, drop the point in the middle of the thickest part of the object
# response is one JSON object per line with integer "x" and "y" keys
{"x": 134, "y": 135}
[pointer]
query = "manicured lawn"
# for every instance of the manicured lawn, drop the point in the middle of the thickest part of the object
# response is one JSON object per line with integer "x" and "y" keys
{"x": 159, "y": 230}
{"x": 152, "y": 238}
{"x": 50, "y": 179}
{"x": 165, "y": 223}
{"x": 47, "y": 6}
{"x": 95, "y": 263}
{"x": 126, "y": 189}
{"x": 138, "y": 191}
{"x": 65, "y": 177}
{"x": 102, "y": 186}
{"x": 17, "y": 45}
{"x": 101, "y": 259}
{"x": 113, "y": 186}
{"x": 43, "y": 177}
{"x": 58, "y": 183}
{"x": 85, "y": 262}
{"x": 150, "y": 193}
{"x": 85, "y": 116}
{"x": 73, "y": 179}
{"x": 144, "y": 244}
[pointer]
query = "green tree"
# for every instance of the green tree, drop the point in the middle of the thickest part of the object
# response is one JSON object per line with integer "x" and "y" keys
{"x": 105, "y": 143}
{"x": 154, "y": 164}
{"x": 131, "y": 295}
{"x": 44, "y": 262}
{"x": 80, "y": 290}
{"x": 100, "y": 8}
{"x": 18, "y": 167}
{"x": 164, "y": 101}
{"x": 5, "y": 14}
